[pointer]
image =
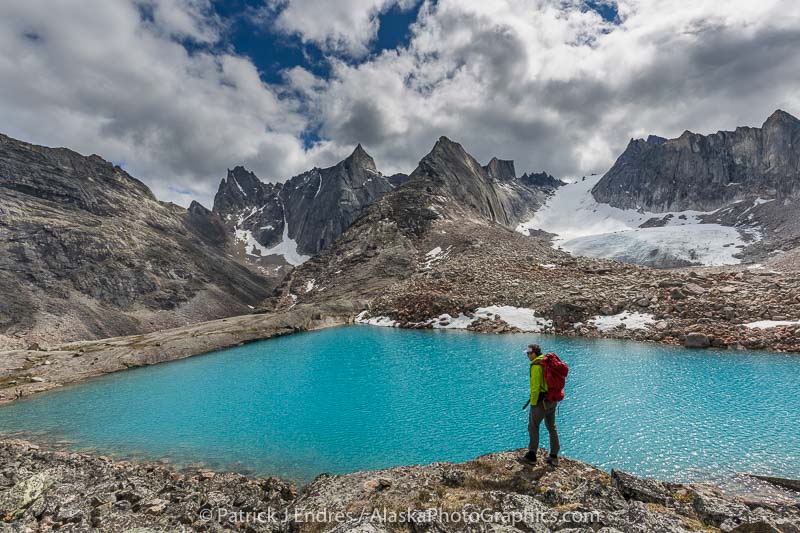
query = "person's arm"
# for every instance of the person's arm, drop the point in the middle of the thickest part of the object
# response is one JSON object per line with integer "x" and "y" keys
{"x": 536, "y": 383}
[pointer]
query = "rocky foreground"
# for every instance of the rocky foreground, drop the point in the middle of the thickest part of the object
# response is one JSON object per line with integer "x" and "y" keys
{"x": 44, "y": 490}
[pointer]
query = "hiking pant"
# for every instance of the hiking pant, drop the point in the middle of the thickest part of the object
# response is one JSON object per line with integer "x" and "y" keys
{"x": 546, "y": 411}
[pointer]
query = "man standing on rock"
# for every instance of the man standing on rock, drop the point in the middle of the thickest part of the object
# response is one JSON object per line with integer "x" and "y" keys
{"x": 541, "y": 408}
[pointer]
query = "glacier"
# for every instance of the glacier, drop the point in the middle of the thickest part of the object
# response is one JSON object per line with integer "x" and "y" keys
{"x": 583, "y": 226}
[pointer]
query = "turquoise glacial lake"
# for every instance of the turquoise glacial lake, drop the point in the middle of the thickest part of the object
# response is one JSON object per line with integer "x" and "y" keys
{"x": 361, "y": 397}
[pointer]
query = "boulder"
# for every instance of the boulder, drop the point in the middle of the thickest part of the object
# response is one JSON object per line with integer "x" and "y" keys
{"x": 25, "y": 492}
{"x": 694, "y": 289}
{"x": 713, "y": 507}
{"x": 677, "y": 294}
{"x": 697, "y": 340}
{"x": 644, "y": 490}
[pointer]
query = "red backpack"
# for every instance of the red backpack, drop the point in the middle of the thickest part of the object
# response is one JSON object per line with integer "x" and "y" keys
{"x": 555, "y": 375}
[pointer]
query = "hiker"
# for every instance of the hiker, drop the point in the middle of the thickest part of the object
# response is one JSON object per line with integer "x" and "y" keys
{"x": 544, "y": 400}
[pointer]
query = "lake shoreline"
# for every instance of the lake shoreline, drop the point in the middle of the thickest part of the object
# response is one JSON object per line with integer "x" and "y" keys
{"x": 26, "y": 372}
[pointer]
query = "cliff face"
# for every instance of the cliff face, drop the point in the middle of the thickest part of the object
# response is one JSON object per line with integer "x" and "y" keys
{"x": 298, "y": 218}
{"x": 322, "y": 203}
{"x": 87, "y": 251}
{"x": 706, "y": 172}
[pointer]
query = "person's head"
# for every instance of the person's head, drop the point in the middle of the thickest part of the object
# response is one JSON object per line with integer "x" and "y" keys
{"x": 534, "y": 351}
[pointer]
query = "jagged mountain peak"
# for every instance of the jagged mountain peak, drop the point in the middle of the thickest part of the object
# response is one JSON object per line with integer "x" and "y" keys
{"x": 239, "y": 188}
{"x": 197, "y": 207}
{"x": 451, "y": 152}
{"x": 359, "y": 151}
{"x": 361, "y": 158}
{"x": 243, "y": 177}
{"x": 301, "y": 216}
{"x": 444, "y": 143}
{"x": 541, "y": 180}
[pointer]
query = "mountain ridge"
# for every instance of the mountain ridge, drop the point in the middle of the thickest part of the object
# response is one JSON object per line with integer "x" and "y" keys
{"x": 706, "y": 172}
{"x": 307, "y": 211}
{"x": 88, "y": 251}
{"x": 449, "y": 193}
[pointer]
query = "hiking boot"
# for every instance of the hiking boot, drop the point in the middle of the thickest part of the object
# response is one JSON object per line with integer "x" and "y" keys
{"x": 529, "y": 458}
{"x": 552, "y": 460}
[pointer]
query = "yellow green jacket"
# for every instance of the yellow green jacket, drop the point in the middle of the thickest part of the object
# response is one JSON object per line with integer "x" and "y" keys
{"x": 538, "y": 384}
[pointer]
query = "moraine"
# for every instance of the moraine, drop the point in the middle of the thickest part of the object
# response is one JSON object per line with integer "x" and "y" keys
{"x": 354, "y": 398}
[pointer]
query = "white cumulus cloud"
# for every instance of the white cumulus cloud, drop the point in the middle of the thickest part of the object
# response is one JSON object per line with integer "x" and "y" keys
{"x": 110, "y": 78}
{"x": 555, "y": 86}
{"x": 346, "y": 26}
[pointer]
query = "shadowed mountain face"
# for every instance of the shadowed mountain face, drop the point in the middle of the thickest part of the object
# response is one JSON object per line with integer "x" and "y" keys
{"x": 87, "y": 251}
{"x": 322, "y": 203}
{"x": 706, "y": 172}
{"x": 298, "y": 218}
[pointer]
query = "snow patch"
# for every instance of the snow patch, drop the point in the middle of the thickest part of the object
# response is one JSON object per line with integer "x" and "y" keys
{"x": 251, "y": 245}
{"x": 383, "y": 321}
{"x": 310, "y": 285}
{"x": 630, "y": 320}
{"x": 768, "y": 324}
{"x": 518, "y": 317}
{"x": 446, "y": 321}
{"x": 437, "y": 254}
{"x": 286, "y": 248}
{"x": 319, "y": 187}
{"x": 239, "y": 186}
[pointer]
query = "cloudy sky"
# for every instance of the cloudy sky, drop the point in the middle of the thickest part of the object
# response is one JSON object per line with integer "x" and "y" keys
{"x": 176, "y": 91}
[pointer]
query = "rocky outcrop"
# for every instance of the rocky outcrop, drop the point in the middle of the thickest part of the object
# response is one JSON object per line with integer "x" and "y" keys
{"x": 707, "y": 172}
{"x": 541, "y": 180}
{"x": 44, "y": 489}
{"x": 501, "y": 169}
{"x": 87, "y": 251}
